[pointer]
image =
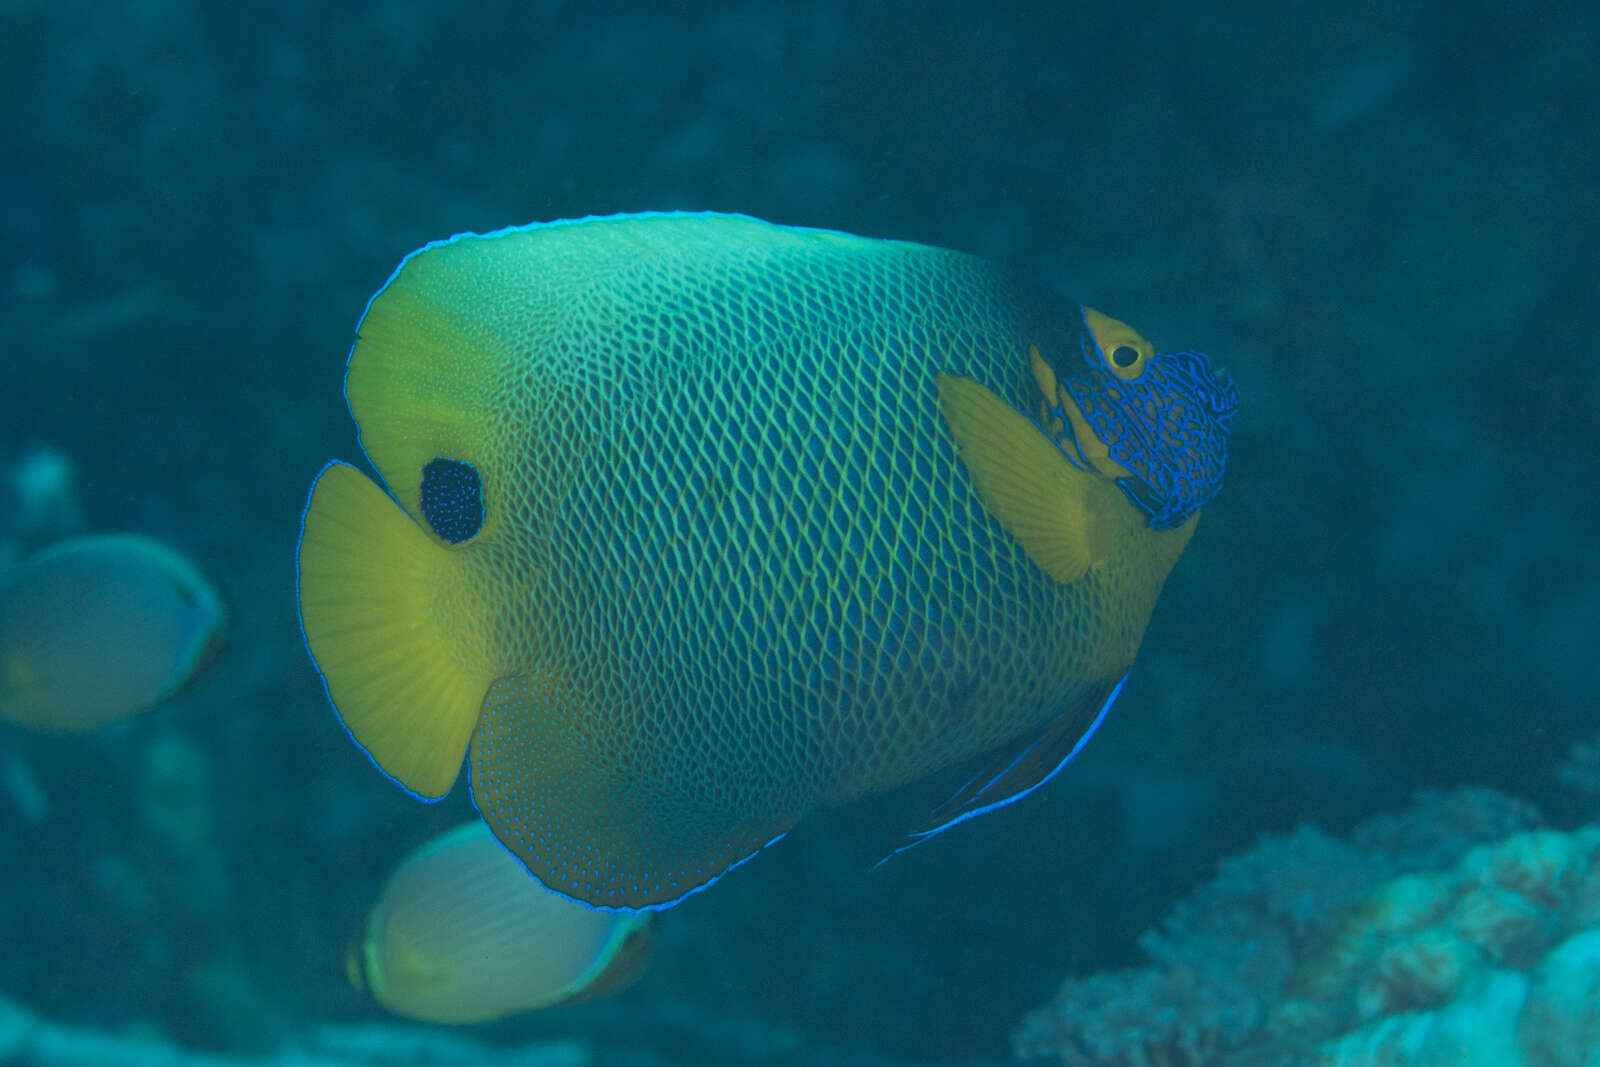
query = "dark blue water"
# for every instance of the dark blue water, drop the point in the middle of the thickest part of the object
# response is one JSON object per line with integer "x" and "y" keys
{"x": 1382, "y": 220}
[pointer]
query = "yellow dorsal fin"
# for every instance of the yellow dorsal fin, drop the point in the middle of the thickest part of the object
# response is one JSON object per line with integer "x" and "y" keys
{"x": 1040, "y": 498}
{"x": 369, "y": 580}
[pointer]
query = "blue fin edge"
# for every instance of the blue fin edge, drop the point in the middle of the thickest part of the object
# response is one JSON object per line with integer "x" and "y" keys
{"x": 620, "y": 909}
{"x": 299, "y": 616}
{"x": 503, "y": 231}
{"x": 918, "y": 837}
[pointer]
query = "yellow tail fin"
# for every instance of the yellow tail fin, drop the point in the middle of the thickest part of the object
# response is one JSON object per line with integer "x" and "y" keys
{"x": 369, "y": 580}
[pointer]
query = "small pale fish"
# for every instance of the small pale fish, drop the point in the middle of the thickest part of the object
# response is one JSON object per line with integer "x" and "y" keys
{"x": 690, "y": 524}
{"x": 461, "y": 934}
{"x": 95, "y": 629}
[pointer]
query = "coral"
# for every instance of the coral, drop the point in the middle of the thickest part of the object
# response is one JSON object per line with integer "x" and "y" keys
{"x": 43, "y": 497}
{"x": 175, "y": 797}
{"x": 1544, "y": 866}
{"x": 1505, "y": 924}
{"x": 1105, "y": 1019}
{"x": 1547, "y": 1018}
{"x": 1441, "y": 825}
{"x": 1560, "y": 1022}
{"x": 1423, "y": 970}
{"x": 1221, "y": 959}
{"x": 620, "y": 1034}
{"x": 27, "y": 1039}
{"x": 1419, "y": 940}
{"x": 1474, "y": 1031}
{"x": 1582, "y": 769}
{"x": 1402, "y": 946}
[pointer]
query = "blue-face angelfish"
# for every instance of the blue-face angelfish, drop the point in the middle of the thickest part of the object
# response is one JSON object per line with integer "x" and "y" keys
{"x": 690, "y": 524}
{"x": 461, "y": 934}
{"x": 95, "y": 629}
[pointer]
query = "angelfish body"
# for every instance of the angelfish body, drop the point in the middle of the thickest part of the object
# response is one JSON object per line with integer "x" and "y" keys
{"x": 704, "y": 523}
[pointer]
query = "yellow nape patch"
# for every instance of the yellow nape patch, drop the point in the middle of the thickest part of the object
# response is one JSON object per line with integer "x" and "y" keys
{"x": 1051, "y": 507}
{"x": 369, "y": 576}
{"x": 423, "y": 374}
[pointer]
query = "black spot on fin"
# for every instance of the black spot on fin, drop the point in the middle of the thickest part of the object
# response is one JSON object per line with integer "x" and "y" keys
{"x": 452, "y": 499}
{"x": 1019, "y": 768}
{"x": 407, "y": 689}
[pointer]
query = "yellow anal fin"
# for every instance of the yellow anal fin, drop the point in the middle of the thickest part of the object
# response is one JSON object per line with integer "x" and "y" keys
{"x": 1030, "y": 488}
{"x": 368, "y": 579}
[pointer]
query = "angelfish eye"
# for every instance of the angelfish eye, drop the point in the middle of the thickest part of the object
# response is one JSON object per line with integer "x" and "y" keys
{"x": 452, "y": 499}
{"x": 1126, "y": 354}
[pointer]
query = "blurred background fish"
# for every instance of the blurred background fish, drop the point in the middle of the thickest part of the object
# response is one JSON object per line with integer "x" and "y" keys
{"x": 461, "y": 934}
{"x": 96, "y": 629}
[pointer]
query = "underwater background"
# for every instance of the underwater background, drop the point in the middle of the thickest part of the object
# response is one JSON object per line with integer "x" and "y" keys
{"x": 1382, "y": 220}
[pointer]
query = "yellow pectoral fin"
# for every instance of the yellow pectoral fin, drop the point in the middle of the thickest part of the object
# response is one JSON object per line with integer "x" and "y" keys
{"x": 405, "y": 688}
{"x": 1032, "y": 490}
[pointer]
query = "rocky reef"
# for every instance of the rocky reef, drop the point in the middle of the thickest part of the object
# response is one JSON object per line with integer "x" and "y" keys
{"x": 1459, "y": 932}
